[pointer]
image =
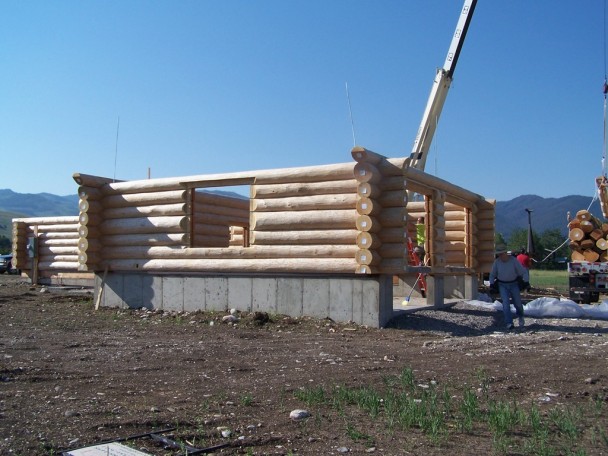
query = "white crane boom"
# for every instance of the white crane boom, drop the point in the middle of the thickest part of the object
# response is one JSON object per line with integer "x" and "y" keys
{"x": 439, "y": 91}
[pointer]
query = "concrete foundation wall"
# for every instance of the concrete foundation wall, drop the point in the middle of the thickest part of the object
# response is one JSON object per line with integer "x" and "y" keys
{"x": 365, "y": 300}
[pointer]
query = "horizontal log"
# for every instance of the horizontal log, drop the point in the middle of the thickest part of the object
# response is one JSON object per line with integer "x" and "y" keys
{"x": 64, "y": 265}
{"x": 59, "y": 235}
{"x": 320, "y": 219}
{"x": 368, "y": 173}
{"x": 363, "y": 155}
{"x": 366, "y": 206}
{"x": 89, "y": 219}
{"x": 391, "y": 235}
{"x": 367, "y": 190}
{"x": 217, "y": 219}
{"x": 213, "y": 199}
{"x": 160, "y": 210}
{"x": 71, "y": 242}
{"x": 396, "y": 250}
{"x": 210, "y": 209}
{"x": 235, "y": 253}
{"x": 305, "y": 203}
{"x": 453, "y": 235}
{"x": 271, "y": 265}
{"x": 91, "y": 181}
{"x": 53, "y": 250}
{"x": 367, "y": 240}
{"x": 91, "y": 206}
{"x": 368, "y": 224}
{"x": 390, "y": 183}
{"x": 466, "y": 197}
{"x": 90, "y": 232}
{"x": 89, "y": 245}
{"x": 303, "y": 189}
{"x": 455, "y": 215}
{"x": 158, "y": 239}
{"x": 43, "y": 221}
{"x": 340, "y": 171}
{"x": 88, "y": 258}
{"x": 90, "y": 193}
{"x": 211, "y": 230}
{"x": 144, "y": 225}
{"x": 391, "y": 217}
{"x": 452, "y": 258}
{"x": 393, "y": 198}
{"x": 367, "y": 257}
{"x": 209, "y": 240}
{"x": 145, "y": 199}
{"x": 57, "y": 258}
{"x": 304, "y": 237}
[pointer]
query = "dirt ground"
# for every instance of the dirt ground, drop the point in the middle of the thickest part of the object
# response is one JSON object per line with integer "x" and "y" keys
{"x": 71, "y": 377}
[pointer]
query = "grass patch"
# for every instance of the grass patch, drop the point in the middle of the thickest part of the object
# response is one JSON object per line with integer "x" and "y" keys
{"x": 557, "y": 280}
{"x": 402, "y": 404}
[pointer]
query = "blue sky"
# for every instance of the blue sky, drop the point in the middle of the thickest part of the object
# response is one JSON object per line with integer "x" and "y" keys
{"x": 234, "y": 85}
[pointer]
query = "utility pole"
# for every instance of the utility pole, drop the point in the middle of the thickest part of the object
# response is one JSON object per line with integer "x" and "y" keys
{"x": 530, "y": 247}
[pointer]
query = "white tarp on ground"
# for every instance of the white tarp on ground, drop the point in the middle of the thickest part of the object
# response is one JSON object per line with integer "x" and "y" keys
{"x": 550, "y": 307}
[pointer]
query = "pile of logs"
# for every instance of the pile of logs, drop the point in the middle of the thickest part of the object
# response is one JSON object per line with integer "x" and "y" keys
{"x": 588, "y": 237}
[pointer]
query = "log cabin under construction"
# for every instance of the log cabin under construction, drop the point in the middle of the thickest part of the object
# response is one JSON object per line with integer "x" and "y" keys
{"x": 322, "y": 241}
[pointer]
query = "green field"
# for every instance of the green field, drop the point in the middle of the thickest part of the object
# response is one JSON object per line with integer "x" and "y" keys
{"x": 549, "y": 279}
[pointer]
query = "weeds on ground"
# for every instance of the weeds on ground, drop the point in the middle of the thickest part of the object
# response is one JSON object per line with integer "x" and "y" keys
{"x": 402, "y": 403}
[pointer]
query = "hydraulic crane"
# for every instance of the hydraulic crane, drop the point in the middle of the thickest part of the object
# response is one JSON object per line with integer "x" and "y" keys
{"x": 439, "y": 91}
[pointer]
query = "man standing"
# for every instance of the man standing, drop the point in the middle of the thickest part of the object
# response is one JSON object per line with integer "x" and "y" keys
{"x": 505, "y": 272}
{"x": 525, "y": 260}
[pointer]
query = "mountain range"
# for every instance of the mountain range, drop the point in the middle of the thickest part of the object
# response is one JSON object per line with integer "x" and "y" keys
{"x": 546, "y": 213}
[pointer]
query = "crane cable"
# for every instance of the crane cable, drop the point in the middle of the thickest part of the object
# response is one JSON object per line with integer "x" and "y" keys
{"x": 605, "y": 90}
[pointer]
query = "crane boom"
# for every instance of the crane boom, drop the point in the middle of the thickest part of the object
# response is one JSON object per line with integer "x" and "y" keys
{"x": 439, "y": 91}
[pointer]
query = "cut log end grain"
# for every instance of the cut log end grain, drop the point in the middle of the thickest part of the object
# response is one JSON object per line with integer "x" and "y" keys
{"x": 576, "y": 234}
{"x": 583, "y": 215}
{"x": 591, "y": 255}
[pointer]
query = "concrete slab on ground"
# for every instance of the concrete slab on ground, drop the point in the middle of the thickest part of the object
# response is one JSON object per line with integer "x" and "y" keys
{"x": 415, "y": 304}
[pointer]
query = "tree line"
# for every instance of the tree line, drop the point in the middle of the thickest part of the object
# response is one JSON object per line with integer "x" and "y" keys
{"x": 550, "y": 247}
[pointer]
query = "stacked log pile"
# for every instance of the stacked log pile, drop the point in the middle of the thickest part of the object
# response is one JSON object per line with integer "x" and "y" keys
{"x": 588, "y": 237}
{"x": 57, "y": 243}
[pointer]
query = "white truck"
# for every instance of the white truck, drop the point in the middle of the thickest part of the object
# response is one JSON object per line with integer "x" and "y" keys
{"x": 586, "y": 280}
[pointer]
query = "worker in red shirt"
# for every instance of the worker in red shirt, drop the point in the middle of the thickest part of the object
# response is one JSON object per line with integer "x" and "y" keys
{"x": 525, "y": 260}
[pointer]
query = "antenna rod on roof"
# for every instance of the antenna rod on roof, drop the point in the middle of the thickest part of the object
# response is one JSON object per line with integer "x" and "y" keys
{"x": 116, "y": 148}
{"x": 350, "y": 111}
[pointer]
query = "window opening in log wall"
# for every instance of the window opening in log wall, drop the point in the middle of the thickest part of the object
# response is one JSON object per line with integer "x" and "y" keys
{"x": 220, "y": 217}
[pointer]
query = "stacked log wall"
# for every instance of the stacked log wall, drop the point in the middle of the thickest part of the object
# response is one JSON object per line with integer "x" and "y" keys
{"x": 215, "y": 217}
{"x": 340, "y": 218}
{"x": 57, "y": 244}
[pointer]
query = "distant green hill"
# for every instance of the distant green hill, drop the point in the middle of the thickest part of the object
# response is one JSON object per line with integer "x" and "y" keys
{"x": 19, "y": 205}
{"x": 6, "y": 225}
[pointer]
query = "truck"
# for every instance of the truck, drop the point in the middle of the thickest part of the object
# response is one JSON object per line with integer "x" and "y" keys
{"x": 588, "y": 266}
{"x": 587, "y": 280}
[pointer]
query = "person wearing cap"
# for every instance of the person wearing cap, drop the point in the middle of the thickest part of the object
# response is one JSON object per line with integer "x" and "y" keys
{"x": 506, "y": 271}
{"x": 420, "y": 239}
